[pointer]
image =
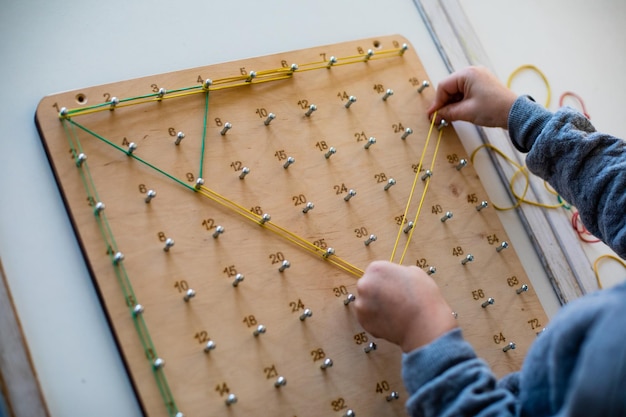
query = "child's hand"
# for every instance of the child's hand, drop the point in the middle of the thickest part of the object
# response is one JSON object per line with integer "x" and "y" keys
{"x": 402, "y": 304}
{"x": 474, "y": 95}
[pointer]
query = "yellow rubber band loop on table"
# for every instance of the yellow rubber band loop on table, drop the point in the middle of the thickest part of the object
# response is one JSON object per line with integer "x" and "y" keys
{"x": 524, "y": 171}
{"x": 538, "y": 71}
{"x": 597, "y": 261}
{"x": 520, "y": 170}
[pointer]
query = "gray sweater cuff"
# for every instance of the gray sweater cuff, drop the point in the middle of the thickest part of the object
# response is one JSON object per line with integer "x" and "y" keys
{"x": 526, "y": 121}
{"x": 423, "y": 364}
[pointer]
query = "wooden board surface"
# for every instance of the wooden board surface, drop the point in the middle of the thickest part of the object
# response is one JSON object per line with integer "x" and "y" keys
{"x": 195, "y": 382}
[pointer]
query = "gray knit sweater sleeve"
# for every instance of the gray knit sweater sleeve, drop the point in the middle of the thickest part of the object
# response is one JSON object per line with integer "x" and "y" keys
{"x": 586, "y": 167}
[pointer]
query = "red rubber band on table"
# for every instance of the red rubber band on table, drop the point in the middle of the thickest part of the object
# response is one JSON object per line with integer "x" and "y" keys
{"x": 577, "y": 97}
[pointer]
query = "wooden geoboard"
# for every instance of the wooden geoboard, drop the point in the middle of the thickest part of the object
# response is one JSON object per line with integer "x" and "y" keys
{"x": 228, "y": 293}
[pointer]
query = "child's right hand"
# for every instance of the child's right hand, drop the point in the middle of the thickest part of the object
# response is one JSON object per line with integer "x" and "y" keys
{"x": 474, "y": 95}
{"x": 402, "y": 305}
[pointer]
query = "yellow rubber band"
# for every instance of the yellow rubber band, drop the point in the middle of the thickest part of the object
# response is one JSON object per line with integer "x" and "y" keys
{"x": 421, "y": 203}
{"x": 597, "y": 261}
{"x": 538, "y": 71}
{"x": 520, "y": 170}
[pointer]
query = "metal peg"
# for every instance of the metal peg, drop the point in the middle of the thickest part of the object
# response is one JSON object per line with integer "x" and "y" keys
{"x": 372, "y": 346}
{"x": 350, "y": 298}
{"x": 158, "y": 363}
{"x": 284, "y": 266}
{"x": 168, "y": 244}
{"x": 280, "y": 381}
{"x": 150, "y": 194}
{"x": 137, "y": 310}
{"x": 189, "y": 295}
{"x": 490, "y": 301}
{"x": 259, "y": 330}
{"x": 446, "y": 216}
{"x": 238, "y": 279}
{"x": 390, "y": 184}
{"x": 508, "y": 347}
{"x": 425, "y": 84}
{"x": 289, "y": 161}
{"x": 370, "y": 239}
{"x": 226, "y": 128}
{"x": 218, "y": 231}
{"x": 244, "y": 171}
{"x": 269, "y": 119}
{"x": 350, "y": 194}
{"x": 305, "y": 314}
{"x": 468, "y": 258}
{"x": 310, "y": 111}
{"x": 231, "y": 399}
{"x": 326, "y": 364}
{"x": 502, "y": 246}
{"x": 80, "y": 159}
{"x": 117, "y": 258}
{"x": 392, "y": 396}
{"x": 522, "y": 289}
{"x": 99, "y": 208}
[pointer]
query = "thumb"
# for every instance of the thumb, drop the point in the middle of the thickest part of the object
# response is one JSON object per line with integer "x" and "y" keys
{"x": 455, "y": 111}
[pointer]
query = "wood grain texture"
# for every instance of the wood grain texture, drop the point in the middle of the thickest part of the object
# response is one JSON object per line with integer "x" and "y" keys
{"x": 241, "y": 363}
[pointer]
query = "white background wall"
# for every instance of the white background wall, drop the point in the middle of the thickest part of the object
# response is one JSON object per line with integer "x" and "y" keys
{"x": 579, "y": 46}
{"x": 47, "y": 47}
